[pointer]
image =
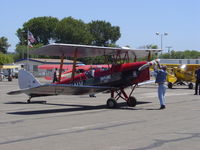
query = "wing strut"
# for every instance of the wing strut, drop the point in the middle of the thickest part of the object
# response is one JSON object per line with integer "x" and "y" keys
{"x": 149, "y": 56}
{"x": 74, "y": 65}
{"x": 135, "y": 58}
{"x": 61, "y": 66}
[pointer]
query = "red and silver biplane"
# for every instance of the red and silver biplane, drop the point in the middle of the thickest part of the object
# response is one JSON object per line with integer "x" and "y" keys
{"x": 115, "y": 78}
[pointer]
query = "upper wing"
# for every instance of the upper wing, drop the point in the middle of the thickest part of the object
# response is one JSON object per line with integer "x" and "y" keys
{"x": 60, "y": 89}
{"x": 171, "y": 65}
{"x": 58, "y": 49}
{"x": 192, "y": 67}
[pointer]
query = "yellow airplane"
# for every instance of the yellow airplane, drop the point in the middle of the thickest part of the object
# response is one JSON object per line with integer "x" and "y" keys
{"x": 9, "y": 71}
{"x": 181, "y": 74}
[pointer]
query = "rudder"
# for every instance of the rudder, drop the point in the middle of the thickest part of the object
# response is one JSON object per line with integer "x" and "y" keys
{"x": 27, "y": 80}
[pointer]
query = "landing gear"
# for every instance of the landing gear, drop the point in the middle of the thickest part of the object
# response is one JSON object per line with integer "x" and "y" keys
{"x": 29, "y": 100}
{"x": 190, "y": 86}
{"x": 131, "y": 101}
{"x": 111, "y": 103}
{"x": 170, "y": 85}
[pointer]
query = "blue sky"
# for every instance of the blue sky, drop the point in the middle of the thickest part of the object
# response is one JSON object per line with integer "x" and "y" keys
{"x": 138, "y": 20}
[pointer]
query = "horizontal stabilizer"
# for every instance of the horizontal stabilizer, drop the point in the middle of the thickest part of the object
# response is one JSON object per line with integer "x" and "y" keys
{"x": 15, "y": 92}
{"x": 60, "y": 89}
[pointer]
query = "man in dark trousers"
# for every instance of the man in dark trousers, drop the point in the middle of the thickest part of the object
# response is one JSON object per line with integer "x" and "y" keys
{"x": 55, "y": 79}
{"x": 197, "y": 75}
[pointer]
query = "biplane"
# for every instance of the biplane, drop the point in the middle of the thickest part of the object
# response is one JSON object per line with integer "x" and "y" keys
{"x": 122, "y": 74}
{"x": 181, "y": 74}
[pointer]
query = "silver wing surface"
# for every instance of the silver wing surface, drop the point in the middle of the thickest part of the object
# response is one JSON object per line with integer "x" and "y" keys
{"x": 59, "y": 49}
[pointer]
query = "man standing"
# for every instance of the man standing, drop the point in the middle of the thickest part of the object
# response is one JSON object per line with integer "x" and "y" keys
{"x": 197, "y": 75}
{"x": 161, "y": 76}
{"x": 55, "y": 79}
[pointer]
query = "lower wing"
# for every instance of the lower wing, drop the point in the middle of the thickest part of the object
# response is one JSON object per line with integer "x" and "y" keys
{"x": 60, "y": 89}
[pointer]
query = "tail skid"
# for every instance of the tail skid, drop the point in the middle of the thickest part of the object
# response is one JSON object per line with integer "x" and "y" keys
{"x": 27, "y": 80}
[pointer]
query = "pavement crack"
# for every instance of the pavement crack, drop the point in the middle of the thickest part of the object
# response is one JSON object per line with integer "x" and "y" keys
{"x": 100, "y": 126}
{"x": 159, "y": 143}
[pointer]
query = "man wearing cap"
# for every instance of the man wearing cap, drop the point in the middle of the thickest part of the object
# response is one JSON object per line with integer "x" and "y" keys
{"x": 161, "y": 76}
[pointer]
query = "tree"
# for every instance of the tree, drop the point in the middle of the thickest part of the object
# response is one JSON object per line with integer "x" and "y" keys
{"x": 43, "y": 29}
{"x": 149, "y": 46}
{"x": 103, "y": 33}
{"x": 67, "y": 30}
{"x": 21, "y": 51}
{"x": 5, "y": 59}
{"x": 4, "y": 45}
{"x": 187, "y": 54}
{"x": 72, "y": 31}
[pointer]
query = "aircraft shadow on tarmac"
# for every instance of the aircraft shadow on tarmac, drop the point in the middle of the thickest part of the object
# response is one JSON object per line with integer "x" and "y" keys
{"x": 122, "y": 105}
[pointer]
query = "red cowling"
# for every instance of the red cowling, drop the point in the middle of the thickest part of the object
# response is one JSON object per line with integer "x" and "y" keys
{"x": 144, "y": 75}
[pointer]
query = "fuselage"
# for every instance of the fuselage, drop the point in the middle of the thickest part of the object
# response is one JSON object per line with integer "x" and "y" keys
{"x": 120, "y": 75}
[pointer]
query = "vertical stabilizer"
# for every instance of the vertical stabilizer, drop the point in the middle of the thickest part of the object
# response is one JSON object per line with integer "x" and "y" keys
{"x": 27, "y": 80}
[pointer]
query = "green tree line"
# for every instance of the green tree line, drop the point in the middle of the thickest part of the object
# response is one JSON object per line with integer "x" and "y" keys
{"x": 67, "y": 30}
{"x": 187, "y": 54}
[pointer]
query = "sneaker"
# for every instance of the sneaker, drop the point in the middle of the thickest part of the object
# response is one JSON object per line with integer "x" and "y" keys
{"x": 195, "y": 93}
{"x": 162, "y": 107}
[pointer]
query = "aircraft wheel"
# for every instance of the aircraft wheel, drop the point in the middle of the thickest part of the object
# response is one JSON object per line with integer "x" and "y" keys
{"x": 132, "y": 101}
{"x": 170, "y": 85}
{"x": 111, "y": 103}
{"x": 9, "y": 78}
{"x": 190, "y": 86}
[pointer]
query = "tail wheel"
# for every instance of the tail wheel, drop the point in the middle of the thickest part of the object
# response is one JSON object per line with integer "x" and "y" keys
{"x": 190, "y": 86}
{"x": 111, "y": 103}
{"x": 132, "y": 102}
{"x": 170, "y": 85}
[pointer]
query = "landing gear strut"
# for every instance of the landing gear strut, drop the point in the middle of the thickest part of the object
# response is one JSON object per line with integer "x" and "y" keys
{"x": 29, "y": 100}
{"x": 170, "y": 85}
{"x": 190, "y": 86}
{"x": 131, "y": 101}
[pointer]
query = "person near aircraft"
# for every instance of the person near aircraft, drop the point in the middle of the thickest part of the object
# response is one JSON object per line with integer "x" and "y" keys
{"x": 161, "y": 76}
{"x": 55, "y": 79}
{"x": 197, "y": 83}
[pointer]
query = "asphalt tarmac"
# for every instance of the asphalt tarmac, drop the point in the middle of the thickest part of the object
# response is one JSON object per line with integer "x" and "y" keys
{"x": 84, "y": 123}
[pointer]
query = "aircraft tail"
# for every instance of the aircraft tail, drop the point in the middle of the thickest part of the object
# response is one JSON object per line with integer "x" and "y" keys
{"x": 27, "y": 80}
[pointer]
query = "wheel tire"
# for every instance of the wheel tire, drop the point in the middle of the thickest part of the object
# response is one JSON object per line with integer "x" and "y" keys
{"x": 170, "y": 85}
{"x": 111, "y": 103}
{"x": 9, "y": 78}
{"x": 132, "y": 102}
{"x": 190, "y": 86}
